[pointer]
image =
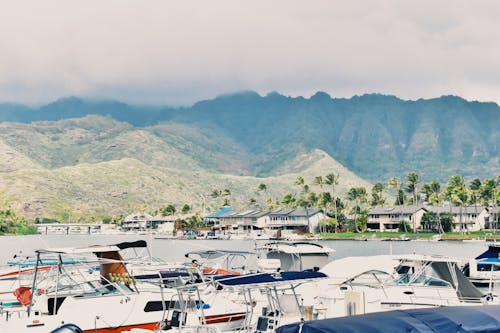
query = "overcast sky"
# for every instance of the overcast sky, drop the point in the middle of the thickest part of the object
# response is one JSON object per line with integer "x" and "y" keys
{"x": 178, "y": 52}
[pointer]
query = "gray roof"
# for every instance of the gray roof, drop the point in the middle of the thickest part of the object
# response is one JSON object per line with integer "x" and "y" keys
{"x": 405, "y": 210}
{"x": 494, "y": 210}
{"x": 298, "y": 212}
{"x": 455, "y": 210}
{"x": 245, "y": 213}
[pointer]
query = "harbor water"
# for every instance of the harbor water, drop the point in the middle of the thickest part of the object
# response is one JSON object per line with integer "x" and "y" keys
{"x": 174, "y": 249}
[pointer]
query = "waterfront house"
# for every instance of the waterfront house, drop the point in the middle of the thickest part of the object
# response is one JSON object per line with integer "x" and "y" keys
{"x": 291, "y": 220}
{"x": 137, "y": 222}
{"x": 493, "y": 218}
{"x": 390, "y": 218}
{"x": 243, "y": 222}
{"x": 465, "y": 218}
{"x": 213, "y": 220}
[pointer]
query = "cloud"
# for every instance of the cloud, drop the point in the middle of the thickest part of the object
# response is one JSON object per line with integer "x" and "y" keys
{"x": 177, "y": 52}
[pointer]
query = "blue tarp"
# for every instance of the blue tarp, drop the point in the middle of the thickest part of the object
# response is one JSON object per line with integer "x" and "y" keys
{"x": 222, "y": 211}
{"x": 460, "y": 319}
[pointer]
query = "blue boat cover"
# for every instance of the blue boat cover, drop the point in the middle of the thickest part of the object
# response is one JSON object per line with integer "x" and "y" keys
{"x": 492, "y": 252}
{"x": 267, "y": 278}
{"x": 460, "y": 319}
{"x": 490, "y": 261}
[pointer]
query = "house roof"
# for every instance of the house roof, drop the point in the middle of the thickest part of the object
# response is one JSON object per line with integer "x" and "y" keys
{"x": 405, "y": 210}
{"x": 246, "y": 213}
{"x": 138, "y": 217}
{"x": 298, "y": 212}
{"x": 455, "y": 210}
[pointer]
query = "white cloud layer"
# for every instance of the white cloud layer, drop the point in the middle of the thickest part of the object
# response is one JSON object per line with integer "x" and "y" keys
{"x": 177, "y": 52}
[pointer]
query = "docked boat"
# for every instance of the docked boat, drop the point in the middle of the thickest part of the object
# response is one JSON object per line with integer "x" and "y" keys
{"x": 269, "y": 300}
{"x": 481, "y": 272}
{"x": 361, "y": 285}
{"x": 294, "y": 256}
{"x": 109, "y": 300}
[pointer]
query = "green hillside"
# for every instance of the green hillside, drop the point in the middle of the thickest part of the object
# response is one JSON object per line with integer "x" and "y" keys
{"x": 104, "y": 157}
{"x": 374, "y": 135}
{"x": 122, "y": 186}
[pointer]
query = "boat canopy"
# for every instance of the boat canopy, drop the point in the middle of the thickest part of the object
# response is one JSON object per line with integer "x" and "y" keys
{"x": 298, "y": 248}
{"x": 266, "y": 279}
{"x": 459, "y": 319}
{"x": 490, "y": 261}
{"x": 212, "y": 254}
{"x": 492, "y": 252}
{"x": 426, "y": 258}
{"x": 96, "y": 248}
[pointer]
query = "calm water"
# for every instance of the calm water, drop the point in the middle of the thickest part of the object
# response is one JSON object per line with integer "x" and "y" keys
{"x": 174, "y": 250}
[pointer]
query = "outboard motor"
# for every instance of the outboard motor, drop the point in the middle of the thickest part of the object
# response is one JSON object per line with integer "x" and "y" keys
{"x": 68, "y": 328}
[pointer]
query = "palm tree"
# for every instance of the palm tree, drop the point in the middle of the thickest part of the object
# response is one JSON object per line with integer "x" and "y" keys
{"x": 457, "y": 192}
{"x": 168, "y": 210}
{"x": 333, "y": 180}
{"x": 358, "y": 196}
{"x": 216, "y": 193}
{"x": 288, "y": 200}
{"x": 299, "y": 181}
{"x": 185, "y": 209}
{"x": 432, "y": 192}
{"x": 377, "y": 195}
{"x": 262, "y": 187}
{"x": 411, "y": 183}
{"x": 400, "y": 198}
{"x": 474, "y": 187}
{"x": 319, "y": 181}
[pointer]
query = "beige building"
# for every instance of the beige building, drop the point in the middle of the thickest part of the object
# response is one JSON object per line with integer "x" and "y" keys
{"x": 466, "y": 218}
{"x": 390, "y": 218}
{"x": 241, "y": 222}
{"x": 289, "y": 220}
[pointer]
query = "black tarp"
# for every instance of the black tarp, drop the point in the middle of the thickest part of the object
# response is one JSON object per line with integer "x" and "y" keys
{"x": 128, "y": 245}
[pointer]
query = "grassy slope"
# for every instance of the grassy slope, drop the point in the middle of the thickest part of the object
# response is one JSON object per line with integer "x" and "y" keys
{"x": 125, "y": 185}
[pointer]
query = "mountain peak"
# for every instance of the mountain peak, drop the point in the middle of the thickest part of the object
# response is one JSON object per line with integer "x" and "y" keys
{"x": 320, "y": 96}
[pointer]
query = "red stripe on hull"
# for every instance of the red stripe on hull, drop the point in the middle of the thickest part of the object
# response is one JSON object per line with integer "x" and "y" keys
{"x": 149, "y": 326}
{"x": 226, "y": 318}
{"x": 27, "y": 271}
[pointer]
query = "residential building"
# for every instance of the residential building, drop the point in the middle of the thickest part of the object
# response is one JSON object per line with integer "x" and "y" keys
{"x": 493, "y": 219}
{"x": 465, "y": 218}
{"x": 241, "y": 222}
{"x": 137, "y": 221}
{"x": 213, "y": 220}
{"x": 390, "y": 218}
{"x": 291, "y": 219}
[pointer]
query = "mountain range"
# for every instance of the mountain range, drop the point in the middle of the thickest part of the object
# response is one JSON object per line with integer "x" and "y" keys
{"x": 97, "y": 157}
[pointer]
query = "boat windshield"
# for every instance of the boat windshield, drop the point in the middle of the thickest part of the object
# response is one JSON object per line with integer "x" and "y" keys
{"x": 422, "y": 280}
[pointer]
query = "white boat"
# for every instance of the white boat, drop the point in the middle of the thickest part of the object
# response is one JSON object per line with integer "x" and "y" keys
{"x": 360, "y": 285}
{"x": 296, "y": 256}
{"x": 269, "y": 300}
{"x": 112, "y": 300}
{"x": 481, "y": 272}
